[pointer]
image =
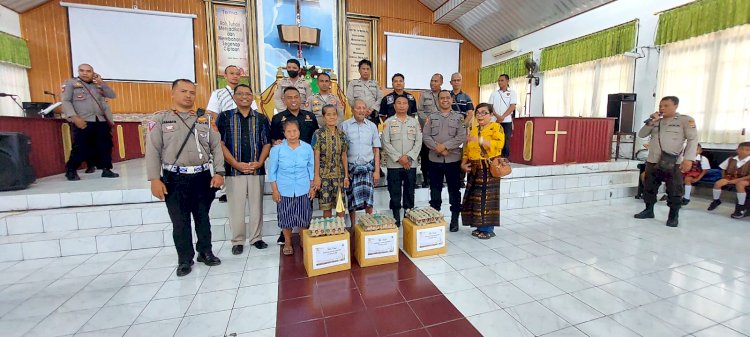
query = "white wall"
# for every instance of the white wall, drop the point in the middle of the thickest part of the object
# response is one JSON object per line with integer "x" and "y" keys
{"x": 603, "y": 17}
{"x": 13, "y": 79}
{"x": 9, "y": 21}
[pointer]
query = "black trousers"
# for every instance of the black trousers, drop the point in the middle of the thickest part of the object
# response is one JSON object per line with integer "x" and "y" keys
{"x": 425, "y": 164}
{"x": 452, "y": 174}
{"x": 92, "y": 145}
{"x": 673, "y": 180}
{"x": 401, "y": 184}
{"x": 508, "y": 130}
{"x": 189, "y": 194}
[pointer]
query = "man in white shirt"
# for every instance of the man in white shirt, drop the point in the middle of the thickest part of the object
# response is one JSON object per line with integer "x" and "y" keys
{"x": 504, "y": 101}
{"x": 221, "y": 100}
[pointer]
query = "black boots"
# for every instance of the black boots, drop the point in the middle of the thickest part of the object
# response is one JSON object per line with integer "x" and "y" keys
{"x": 454, "y": 221}
{"x": 397, "y": 216}
{"x": 673, "y": 219}
{"x": 72, "y": 175}
{"x": 647, "y": 213}
{"x": 208, "y": 258}
{"x": 107, "y": 173}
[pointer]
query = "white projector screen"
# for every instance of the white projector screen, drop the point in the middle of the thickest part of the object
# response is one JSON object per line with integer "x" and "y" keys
{"x": 132, "y": 45}
{"x": 420, "y": 57}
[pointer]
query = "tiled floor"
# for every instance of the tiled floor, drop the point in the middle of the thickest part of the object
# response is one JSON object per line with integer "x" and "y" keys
{"x": 386, "y": 300}
{"x": 585, "y": 269}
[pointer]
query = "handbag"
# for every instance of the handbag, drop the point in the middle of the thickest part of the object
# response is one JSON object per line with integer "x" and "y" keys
{"x": 499, "y": 167}
{"x": 667, "y": 160}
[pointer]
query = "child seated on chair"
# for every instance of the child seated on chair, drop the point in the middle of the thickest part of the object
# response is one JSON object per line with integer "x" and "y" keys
{"x": 696, "y": 173}
{"x": 736, "y": 171}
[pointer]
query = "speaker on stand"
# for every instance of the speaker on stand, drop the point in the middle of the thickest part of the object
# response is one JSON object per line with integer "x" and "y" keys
{"x": 16, "y": 172}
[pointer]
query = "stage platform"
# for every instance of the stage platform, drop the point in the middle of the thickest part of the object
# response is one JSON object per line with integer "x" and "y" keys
{"x": 56, "y": 217}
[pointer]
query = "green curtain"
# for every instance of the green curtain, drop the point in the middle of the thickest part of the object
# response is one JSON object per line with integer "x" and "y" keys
{"x": 609, "y": 42}
{"x": 701, "y": 17}
{"x": 14, "y": 50}
{"x": 514, "y": 67}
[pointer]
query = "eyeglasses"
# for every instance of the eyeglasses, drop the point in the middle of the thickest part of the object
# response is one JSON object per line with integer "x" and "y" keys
{"x": 482, "y": 113}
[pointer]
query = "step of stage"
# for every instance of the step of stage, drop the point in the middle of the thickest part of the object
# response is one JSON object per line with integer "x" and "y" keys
{"x": 69, "y": 231}
{"x": 133, "y": 188}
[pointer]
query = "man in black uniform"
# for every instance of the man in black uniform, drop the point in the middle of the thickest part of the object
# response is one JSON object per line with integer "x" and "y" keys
{"x": 387, "y": 108}
{"x": 185, "y": 165}
{"x": 306, "y": 120}
{"x": 84, "y": 104}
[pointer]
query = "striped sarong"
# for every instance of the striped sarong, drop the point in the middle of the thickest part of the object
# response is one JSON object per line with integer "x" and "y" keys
{"x": 361, "y": 191}
{"x": 481, "y": 204}
{"x": 294, "y": 212}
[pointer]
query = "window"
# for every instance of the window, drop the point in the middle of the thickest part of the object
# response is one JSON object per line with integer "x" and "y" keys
{"x": 519, "y": 84}
{"x": 14, "y": 82}
{"x": 710, "y": 74}
{"x": 582, "y": 89}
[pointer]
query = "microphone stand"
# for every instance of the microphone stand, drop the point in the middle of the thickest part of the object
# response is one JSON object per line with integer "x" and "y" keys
{"x": 13, "y": 97}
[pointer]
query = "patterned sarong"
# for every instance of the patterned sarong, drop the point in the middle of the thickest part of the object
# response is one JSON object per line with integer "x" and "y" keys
{"x": 361, "y": 191}
{"x": 481, "y": 204}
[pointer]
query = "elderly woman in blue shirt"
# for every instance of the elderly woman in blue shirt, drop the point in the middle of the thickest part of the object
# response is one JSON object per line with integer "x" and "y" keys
{"x": 291, "y": 170}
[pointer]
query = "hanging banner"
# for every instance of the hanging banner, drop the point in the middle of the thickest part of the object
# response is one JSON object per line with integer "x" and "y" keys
{"x": 231, "y": 38}
{"x": 360, "y": 46}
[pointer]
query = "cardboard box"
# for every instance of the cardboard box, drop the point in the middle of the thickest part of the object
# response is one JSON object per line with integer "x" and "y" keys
{"x": 424, "y": 240}
{"x": 326, "y": 254}
{"x": 375, "y": 247}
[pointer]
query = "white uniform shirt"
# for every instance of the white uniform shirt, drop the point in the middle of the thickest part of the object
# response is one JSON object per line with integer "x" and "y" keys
{"x": 222, "y": 100}
{"x": 705, "y": 165}
{"x": 740, "y": 163}
{"x": 501, "y": 100}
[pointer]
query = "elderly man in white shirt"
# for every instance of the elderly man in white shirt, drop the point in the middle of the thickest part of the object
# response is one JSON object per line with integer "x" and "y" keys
{"x": 504, "y": 101}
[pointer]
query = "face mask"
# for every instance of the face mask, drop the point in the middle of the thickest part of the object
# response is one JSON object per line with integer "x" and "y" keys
{"x": 292, "y": 73}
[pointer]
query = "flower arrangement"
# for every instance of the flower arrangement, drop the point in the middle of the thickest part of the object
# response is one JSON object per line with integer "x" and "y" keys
{"x": 311, "y": 71}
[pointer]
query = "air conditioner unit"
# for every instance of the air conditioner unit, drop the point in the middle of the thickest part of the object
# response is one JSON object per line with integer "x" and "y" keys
{"x": 505, "y": 48}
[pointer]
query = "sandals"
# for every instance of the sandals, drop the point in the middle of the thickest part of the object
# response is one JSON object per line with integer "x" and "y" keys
{"x": 288, "y": 250}
{"x": 484, "y": 236}
{"x": 476, "y": 233}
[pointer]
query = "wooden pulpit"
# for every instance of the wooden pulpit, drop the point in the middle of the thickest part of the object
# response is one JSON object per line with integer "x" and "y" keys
{"x": 561, "y": 140}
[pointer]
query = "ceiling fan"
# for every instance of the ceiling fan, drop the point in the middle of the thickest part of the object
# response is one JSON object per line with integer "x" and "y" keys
{"x": 532, "y": 67}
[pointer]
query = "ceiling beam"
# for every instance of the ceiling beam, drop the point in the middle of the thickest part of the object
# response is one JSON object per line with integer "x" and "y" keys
{"x": 453, "y": 9}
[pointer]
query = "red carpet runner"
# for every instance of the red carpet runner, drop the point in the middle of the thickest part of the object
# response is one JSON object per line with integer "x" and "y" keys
{"x": 389, "y": 300}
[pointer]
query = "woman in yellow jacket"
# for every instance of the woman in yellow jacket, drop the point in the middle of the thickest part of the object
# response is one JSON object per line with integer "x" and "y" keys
{"x": 481, "y": 203}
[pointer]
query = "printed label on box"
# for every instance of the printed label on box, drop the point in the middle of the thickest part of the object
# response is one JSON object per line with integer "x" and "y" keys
{"x": 330, "y": 254}
{"x": 380, "y": 245}
{"x": 430, "y": 238}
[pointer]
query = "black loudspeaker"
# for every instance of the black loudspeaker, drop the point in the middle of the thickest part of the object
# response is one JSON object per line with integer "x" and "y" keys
{"x": 622, "y": 107}
{"x": 16, "y": 172}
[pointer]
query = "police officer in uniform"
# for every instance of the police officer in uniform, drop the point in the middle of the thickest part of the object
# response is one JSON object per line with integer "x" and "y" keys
{"x": 84, "y": 104}
{"x": 401, "y": 140}
{"x": 444, "y": 133}
{"x": 295, "y": 80}
{"x": 428, "y": 103}
{"x": 365, "y": 88}
{"x": 324, "y": 97}
{"x": 185, "y": 165}
{"x": 387, "y": 104}
{"x": 669, "y": 133}
{"x": 461, "y": 101}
